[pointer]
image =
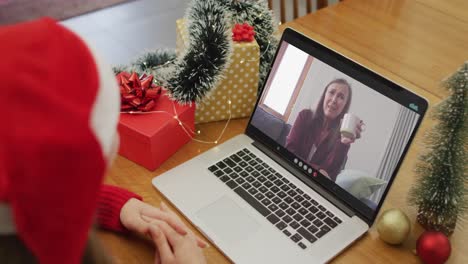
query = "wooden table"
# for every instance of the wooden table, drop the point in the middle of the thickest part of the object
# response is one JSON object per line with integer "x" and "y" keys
{"x": 415, "y": 43}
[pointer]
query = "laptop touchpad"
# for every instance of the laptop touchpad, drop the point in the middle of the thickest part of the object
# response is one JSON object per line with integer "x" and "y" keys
{"x": 227, "y": 220}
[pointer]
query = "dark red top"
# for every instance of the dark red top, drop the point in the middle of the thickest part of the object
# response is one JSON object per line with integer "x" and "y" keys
{"x": 330, "y": 154}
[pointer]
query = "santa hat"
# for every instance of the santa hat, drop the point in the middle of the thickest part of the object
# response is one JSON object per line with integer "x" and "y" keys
{"x": 60, "y": 108}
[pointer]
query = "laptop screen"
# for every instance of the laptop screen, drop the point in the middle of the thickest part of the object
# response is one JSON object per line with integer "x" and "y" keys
{"x": 338, "y": 123}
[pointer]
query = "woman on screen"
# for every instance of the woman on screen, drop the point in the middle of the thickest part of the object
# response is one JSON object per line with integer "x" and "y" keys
{"x": 315, "y": 136}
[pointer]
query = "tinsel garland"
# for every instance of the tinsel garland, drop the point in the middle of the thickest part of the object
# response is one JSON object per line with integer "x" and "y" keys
{"x": 148, "y": 62}
{"x": 441, "y": 192}
{"x": 192, "y": 75}
{"x": 258, "y": 15}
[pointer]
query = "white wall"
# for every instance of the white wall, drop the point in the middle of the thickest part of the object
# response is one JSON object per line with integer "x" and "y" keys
{"x": 378, "y": 113}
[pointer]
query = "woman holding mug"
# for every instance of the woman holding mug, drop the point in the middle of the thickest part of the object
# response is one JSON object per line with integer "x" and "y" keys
{"x": 315, "y": 136}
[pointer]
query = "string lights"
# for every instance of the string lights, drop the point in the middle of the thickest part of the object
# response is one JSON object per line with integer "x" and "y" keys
{"x": 193, "y": 74}
{"x": 190, "y": 133}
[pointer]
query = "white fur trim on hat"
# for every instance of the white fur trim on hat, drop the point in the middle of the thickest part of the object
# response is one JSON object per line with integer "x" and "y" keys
{"x": 106, "y": 108}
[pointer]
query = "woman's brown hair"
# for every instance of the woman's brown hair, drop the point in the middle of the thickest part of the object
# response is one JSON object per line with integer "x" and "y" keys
{"x": 319, "y": 115}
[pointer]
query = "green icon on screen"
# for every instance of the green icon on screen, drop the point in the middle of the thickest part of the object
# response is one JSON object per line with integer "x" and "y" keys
{"x": 414, "y": 106}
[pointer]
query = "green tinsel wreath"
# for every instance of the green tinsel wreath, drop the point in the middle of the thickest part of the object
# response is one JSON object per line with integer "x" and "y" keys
{"x": 192, "y": 75}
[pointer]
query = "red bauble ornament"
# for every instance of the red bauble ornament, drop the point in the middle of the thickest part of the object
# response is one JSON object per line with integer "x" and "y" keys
{"x": 433, "y": 247}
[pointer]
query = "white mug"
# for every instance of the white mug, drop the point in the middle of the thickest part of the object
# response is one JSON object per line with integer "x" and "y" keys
{"x": 349, "y": 125}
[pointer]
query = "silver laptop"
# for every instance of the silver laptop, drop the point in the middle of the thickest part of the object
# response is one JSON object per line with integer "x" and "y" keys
{"x": 311, "y": 171}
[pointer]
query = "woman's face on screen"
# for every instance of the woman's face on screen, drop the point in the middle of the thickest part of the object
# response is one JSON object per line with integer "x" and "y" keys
{"x": 335, "y": 100}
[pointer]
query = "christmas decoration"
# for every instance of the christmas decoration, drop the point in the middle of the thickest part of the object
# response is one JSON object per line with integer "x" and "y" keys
{"x": 137, "y": 93}
{"x": 257, "y": 14}
{"x": 394, "y": 226}
{"x": 192, "y": 75}
{"x": 441, "y": 193}
{"x": 150, "y": 138}
{"x": 433, "y": 247}
{"x": 243, "y": 32}
{"x": 154, "y": 59}
{"x": 148, "y": 62}
{"x": 239, "y": 84}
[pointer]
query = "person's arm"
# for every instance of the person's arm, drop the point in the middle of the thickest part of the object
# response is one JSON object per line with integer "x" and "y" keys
{"x": 111, "y": 199}
{"x": 121, "y": 210}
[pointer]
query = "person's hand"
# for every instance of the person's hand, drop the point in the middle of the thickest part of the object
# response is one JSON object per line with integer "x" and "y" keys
{"x": 174, "y": 248}
{"x": 137, "y": 216}
{"x": 359, "y": 129}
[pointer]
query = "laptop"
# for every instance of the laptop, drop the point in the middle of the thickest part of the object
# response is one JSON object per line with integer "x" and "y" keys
{"x": 310, "y": 173}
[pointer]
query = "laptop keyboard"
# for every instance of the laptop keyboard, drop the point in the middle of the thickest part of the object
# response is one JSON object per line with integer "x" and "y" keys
{"x": 296, "y": 214}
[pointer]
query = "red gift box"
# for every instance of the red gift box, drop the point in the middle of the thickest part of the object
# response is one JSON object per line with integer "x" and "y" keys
{"x": 151, "y": 138}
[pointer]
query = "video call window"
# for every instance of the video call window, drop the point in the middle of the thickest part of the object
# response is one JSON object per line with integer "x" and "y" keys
{"x": 352, "y": 134}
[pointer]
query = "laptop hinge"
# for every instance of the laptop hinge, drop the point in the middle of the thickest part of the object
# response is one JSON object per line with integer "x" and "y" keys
{"x": 315, "y": 186}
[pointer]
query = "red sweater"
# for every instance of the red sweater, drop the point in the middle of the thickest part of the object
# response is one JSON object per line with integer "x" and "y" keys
{"x": 330, "y": 153}
{"x": 110, "y": 201}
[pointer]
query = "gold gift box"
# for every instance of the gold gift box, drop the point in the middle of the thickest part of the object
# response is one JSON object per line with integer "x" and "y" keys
{"x": 239, "y": 84}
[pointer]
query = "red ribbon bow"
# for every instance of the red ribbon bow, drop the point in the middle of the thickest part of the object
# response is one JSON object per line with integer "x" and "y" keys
{"x": 137, "y": 93}
{"x": 243, "y": 32}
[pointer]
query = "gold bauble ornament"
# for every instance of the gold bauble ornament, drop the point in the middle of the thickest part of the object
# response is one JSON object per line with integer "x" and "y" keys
{"x": 393, "y": 226}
